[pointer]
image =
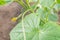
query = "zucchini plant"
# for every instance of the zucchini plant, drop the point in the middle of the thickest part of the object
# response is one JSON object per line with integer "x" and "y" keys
{"x": 40, "y": 23}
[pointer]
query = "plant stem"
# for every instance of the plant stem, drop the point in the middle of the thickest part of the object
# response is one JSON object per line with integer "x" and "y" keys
{"x": 27, "y": 2}
{"x": 49, "y": 11}
{"x": 24, "y": 35}
{"x": 36, "y": 4}
{"x": 52, "y": 5}
{"x": 24, "y": 13}
{"x": 23, "y": 24}
{"x": 21, "y": 3}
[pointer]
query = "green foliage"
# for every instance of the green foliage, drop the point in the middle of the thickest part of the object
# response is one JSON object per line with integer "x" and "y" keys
{"x": 50, "y": 31}
{"x": 47, "y": 3}
{"x": 3, "y": 2}
{"x": 31, "y": 22}
{"x": 40, "y": 24}
{"x": 58, "y": 1}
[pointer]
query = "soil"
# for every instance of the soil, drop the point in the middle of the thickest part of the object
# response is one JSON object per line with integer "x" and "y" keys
{"x": 6, "y": 13}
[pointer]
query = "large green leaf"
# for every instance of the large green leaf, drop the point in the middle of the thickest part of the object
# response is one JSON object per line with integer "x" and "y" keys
{"x": 31, "y": 24}
{"x": 49, "y": 31}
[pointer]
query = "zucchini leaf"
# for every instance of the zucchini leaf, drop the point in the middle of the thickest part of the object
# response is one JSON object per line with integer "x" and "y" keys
{"x": 50, "y": 30}
{"x": 31, "y": 25}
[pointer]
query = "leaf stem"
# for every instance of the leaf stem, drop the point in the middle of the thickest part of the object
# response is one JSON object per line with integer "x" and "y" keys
{"x": 38, "y": 1}
{"x": 52, "y": 5}
{"x": 23, "y": 24}
{"x": 23, "y": 28}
